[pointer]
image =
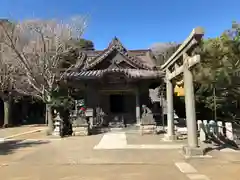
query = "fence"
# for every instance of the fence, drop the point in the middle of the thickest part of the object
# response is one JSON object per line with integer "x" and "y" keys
{"x": 210, "y": 131}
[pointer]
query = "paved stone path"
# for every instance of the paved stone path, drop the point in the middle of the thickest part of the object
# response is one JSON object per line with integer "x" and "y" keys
{"x": 75, "y": 158}
{"x": 119, "y": 141}
{"x": 36, "y": 156}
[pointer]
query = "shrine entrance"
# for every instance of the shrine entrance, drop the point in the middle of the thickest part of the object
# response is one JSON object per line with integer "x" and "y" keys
{"x": 119, "y": 108}
{"x": 117, "y": 103}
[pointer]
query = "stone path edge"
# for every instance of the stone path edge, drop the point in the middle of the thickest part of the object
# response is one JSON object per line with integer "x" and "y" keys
{"x": 24, "y": 133}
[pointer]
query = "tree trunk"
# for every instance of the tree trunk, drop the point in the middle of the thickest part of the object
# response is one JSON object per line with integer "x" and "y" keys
{"x": 48, "y": 117}
{"x": 24, "y": 111}
{"x": 7, "y": 104}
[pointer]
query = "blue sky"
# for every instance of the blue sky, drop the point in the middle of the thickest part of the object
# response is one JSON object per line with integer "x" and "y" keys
{"x": 137, "y": 23}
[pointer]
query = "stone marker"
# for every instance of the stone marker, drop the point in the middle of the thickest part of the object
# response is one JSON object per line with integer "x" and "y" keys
{"x": 229, "y": 131}
{"x": 203, "y": 136}
{"x": 205, "y": 125}
{"x": 199, "y": 124}
{"x": 220, "y": 128}
{"x": 212, "y": 127}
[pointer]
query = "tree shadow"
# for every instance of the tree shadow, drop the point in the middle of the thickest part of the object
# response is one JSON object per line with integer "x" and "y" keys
{"x": 10, "y": 146}
{"x": 221, "y": 143}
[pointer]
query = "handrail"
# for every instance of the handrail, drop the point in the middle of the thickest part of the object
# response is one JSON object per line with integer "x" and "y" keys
{"x": 197, "y": 34}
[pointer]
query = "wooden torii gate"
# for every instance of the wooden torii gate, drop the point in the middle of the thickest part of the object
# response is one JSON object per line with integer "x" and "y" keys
{"x": 180, "y": 64}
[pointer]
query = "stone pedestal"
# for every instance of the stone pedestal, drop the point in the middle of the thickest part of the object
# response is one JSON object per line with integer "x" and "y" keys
{"x": 81, "y": 131}
{"x": 80, "y": 127}
{"x": 193, "y": 151}
{"x": 148, "y": 129}
{"x": 170, "y": 138}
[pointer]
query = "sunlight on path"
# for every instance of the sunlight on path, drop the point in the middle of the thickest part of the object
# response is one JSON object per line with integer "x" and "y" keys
{"x": 119, "y": 141}
{"x": 112, "y": 141}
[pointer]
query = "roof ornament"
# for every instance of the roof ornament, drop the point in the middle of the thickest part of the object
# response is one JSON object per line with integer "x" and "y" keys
{"x": 114, "y": 42}
{"x": 117, "y": 44}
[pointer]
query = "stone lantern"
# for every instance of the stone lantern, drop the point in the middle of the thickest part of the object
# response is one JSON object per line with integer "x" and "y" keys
{"x": 57, "y": 125}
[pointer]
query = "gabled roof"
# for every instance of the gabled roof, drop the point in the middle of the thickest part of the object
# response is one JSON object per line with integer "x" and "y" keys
{"x": 140, "y": 59}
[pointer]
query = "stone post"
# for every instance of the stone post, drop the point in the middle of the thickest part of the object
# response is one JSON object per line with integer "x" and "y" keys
{"x": 190, "y": 105}
{"x": 199, "y": 124}
{"x": 220, "y": 128}
{"x": 138, "y": 106}
{"x": 213, "y": 127}
{"x": 229, "y": 131}
{"x": 170, "y": 111}
{"x": 206, "y": 126}
{"x": 203, "y": 136}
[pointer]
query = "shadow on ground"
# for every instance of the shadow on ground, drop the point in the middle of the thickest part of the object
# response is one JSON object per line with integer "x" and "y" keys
{"x": 10, "y": 146}
{"x": 221, "y": 143}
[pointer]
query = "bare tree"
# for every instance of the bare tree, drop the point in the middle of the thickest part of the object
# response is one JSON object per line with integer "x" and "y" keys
{"x": 35, "y": 49}
{"x": 163, "y": 51}
{"x": 5, "y": 89}
{"x": 6, "y": 78}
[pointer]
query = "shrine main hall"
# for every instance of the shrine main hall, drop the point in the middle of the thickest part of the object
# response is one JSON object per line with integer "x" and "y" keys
{"x": 117, "y": 81}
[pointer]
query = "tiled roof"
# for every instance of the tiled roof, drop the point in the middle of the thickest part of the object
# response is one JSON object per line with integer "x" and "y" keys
{"x": 130, "y": 73}
{"x": 142, "y": 59}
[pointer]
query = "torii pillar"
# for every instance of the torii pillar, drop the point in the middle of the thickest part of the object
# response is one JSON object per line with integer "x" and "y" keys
{"x": 170, "y": 111}
{"x": 192, "y": 148}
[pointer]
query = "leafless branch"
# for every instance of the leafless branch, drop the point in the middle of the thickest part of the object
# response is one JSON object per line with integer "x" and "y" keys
{"x": 33, "y": 52}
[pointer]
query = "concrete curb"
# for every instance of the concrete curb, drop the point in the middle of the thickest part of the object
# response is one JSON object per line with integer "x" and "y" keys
{"x": 24, "y": 133}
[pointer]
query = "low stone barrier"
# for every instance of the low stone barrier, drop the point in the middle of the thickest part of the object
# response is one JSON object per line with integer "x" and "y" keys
{"x": 210, "y": 128}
